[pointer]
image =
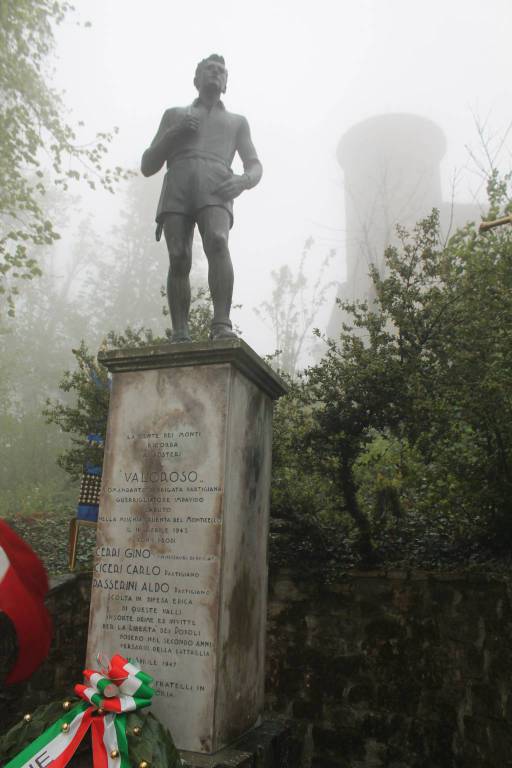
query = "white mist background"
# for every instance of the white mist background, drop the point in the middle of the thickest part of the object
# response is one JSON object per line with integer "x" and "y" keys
{"x": 302, "y": 73}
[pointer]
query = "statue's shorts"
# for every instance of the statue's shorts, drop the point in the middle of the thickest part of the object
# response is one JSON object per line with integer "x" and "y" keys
{"x": 190, "y": 184}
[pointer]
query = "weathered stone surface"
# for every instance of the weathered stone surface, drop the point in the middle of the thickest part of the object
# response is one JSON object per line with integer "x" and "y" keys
{"x": 438, "y": 701}
{"x": 233, "y": 351}
{"x": 180, "y": 573}
{"x": 412, "y": 670}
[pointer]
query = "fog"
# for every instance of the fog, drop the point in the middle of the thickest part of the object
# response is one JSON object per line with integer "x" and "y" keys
{"x": 303, "y": 73}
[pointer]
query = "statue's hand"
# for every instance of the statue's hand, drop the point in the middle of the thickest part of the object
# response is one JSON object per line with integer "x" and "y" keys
{"x": 232, "y": 187}
{"x": 188, "y": 123}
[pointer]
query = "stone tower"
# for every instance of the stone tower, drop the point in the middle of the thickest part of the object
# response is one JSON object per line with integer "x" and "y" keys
{"x": 391, "y": 165}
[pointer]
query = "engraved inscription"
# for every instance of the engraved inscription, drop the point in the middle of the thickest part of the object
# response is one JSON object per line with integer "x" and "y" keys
{"x": 155, "y": 587}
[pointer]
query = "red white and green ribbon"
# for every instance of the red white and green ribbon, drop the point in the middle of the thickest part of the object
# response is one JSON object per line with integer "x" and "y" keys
{"x": 122, "y": 688}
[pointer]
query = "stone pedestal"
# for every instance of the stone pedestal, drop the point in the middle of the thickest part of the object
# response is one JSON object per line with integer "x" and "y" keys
{"x": 180, "y": 571}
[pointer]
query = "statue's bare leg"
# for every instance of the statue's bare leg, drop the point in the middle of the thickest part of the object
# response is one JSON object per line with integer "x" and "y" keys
{"x": 179, "y": 231}
{"x": 213, "y": 223}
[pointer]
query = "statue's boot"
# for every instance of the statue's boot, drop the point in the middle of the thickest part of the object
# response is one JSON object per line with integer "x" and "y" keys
{"x": 180, "y": 336}
{"x": 222, "y": 330}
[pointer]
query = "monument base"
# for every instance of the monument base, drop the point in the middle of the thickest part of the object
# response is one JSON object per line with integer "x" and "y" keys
{"x": 180, "y": 571}
{"x": 264, "y": 747}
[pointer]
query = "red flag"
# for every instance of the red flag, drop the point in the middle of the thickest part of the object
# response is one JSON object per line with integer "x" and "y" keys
{"x": 23, "y": 587}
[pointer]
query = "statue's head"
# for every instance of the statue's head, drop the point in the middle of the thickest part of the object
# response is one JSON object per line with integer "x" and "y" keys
{"x": 211, "y": 73}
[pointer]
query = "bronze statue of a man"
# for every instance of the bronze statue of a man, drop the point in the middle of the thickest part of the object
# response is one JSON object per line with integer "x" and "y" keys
{"x": 198, "y": 144}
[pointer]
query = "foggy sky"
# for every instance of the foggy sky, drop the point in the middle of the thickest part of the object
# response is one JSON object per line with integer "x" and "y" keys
{"x": 302, "y": 73}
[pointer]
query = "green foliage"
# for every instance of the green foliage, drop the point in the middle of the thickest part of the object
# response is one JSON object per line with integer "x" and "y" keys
{"x": 452, "y": 308}
{"x": 155, "y": 744}
{"x": 38, "y": 147}
{"x": 88, "y": 415}
{"x": 301, "y": 501}
{"x": 350, "y": 394}
{"x": 90, "y": 387}
{"x": 30, "y": 482}
{"x": 381, "y": 472}
{"x": 22, "y": 734}
{"x": 408, "y": 417}
{"x": 35, "y": 347}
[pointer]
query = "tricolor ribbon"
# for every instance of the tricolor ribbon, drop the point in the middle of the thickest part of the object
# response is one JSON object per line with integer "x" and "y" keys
{"x": 109, "y": 695}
